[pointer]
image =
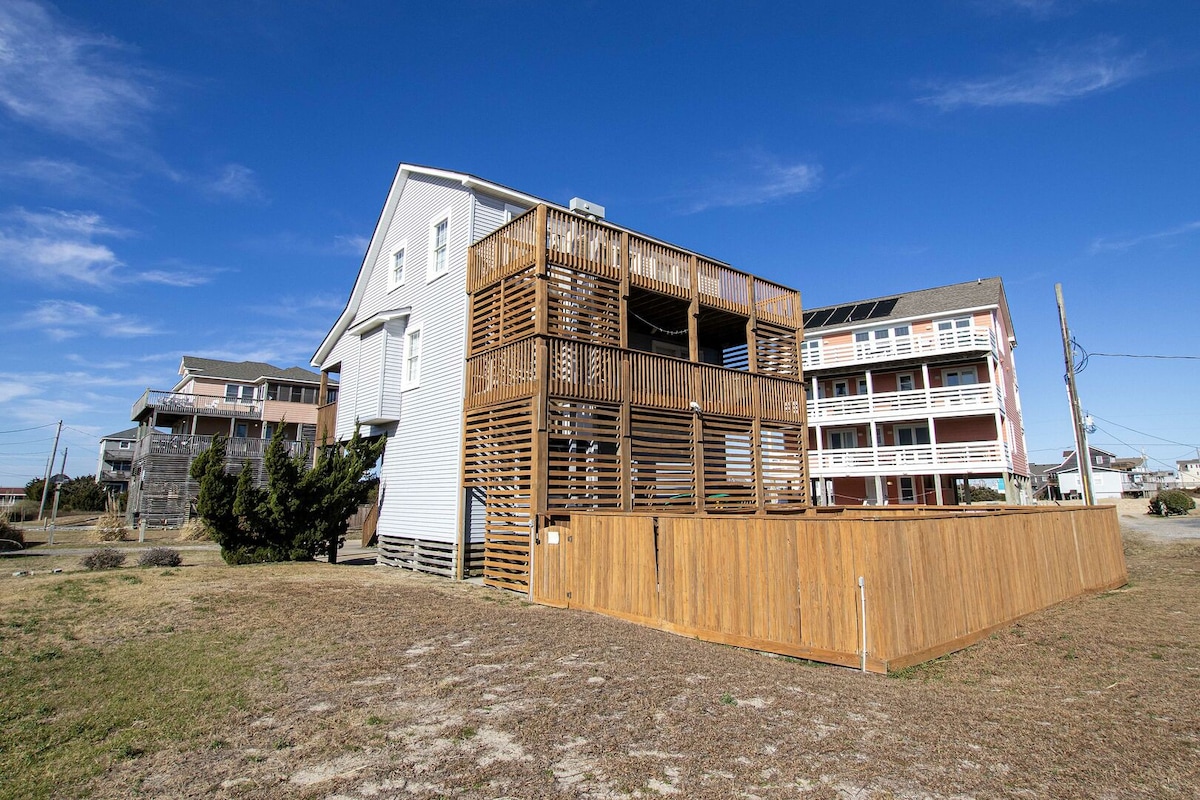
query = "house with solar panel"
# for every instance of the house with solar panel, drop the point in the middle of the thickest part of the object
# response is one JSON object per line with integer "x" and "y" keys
{"x": 913, "y": 397}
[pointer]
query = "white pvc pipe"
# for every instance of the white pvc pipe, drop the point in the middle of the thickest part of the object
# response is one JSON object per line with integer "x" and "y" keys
{"x": 862, "y": 599}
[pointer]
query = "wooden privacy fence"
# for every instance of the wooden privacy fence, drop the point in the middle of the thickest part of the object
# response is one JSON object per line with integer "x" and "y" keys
{"x": 933, "y": 580}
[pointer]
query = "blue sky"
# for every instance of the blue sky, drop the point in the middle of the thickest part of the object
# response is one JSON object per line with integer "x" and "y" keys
{"x": 201, "y": 178}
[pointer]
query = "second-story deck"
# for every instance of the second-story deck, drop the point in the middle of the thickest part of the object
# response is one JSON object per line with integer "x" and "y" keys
{"x": 191, "y": 445}
{"x": 898, "y": 348}
{"x": 179, "y": 403}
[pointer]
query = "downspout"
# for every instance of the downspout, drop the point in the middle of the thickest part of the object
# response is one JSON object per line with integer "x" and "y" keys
{"x": 862, "y": 599}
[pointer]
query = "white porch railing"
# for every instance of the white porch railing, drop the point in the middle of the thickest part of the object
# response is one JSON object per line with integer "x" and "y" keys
{"x": 907, "y": 459}
{"x": 898, "y": 347}
{"x": 916, "y": 402}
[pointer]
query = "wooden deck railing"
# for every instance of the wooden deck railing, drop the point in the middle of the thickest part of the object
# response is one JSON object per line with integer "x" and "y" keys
{"x": 593, "y": 373}
{"x": 600, "y": 248}
{"x": 182, "y": 444}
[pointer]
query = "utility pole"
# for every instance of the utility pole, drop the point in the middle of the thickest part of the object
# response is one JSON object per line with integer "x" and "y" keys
{"x": 49, "y": 467}
{"x": 1083, "y": 455}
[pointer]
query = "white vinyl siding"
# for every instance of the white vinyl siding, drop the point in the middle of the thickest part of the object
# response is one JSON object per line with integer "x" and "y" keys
{"x": 368, "y": 374}
{"x": 420, "y": 476}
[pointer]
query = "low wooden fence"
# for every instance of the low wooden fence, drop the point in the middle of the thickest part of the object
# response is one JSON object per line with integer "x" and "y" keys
{"x": 933, "y": 580}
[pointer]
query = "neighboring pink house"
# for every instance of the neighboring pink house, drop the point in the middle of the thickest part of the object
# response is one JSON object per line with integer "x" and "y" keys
{"x": 249, "y": 402}
{"x": 911, "y": 396}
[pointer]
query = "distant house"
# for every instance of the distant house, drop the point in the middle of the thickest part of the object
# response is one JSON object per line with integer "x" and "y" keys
{"x": 1189, "y": 473}
{"x": 115, "y": 463}
{"x": 249, "y": 402}
{"x": 1044, "y": 483}
{"x": 1108, "y": 482}
{"x": 10, "y": 496}
{"x": 913, "y": 396}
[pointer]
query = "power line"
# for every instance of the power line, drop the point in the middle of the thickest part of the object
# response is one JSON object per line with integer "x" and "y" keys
{"x": 34, "y": 428}
{"x": 1143, "y": 433}
{"x": 1130, "y": 355}
{"x": 90, "y": 436}
{"x": 27, "y": 441}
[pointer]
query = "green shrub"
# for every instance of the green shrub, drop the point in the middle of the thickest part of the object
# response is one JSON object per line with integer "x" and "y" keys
{"x": 1171, "y": 501}
{"x": 11, "y": 537}
{"x": 253, "y": 555}
{"x": 160, "y": 557}
{"x": 104, "y": 558}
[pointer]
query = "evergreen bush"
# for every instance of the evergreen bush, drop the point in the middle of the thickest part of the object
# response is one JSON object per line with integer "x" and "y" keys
{"x": 1171, "y": 501}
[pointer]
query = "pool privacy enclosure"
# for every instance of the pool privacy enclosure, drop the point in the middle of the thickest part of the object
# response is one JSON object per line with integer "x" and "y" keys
{"x": 607, "y": 371}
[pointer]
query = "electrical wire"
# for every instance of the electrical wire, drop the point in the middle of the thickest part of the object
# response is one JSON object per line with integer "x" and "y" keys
{"x": 1130, "y": 355}
{"x": 27, "y": 441}
{"x": 1143, "y": 433}
{"x": 34, "y": 428}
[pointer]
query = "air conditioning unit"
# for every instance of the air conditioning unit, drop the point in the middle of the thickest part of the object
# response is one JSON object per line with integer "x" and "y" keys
{"x": 581, "y": 206}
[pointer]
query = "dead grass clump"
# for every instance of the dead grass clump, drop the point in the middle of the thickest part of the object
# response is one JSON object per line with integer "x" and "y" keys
{"x": 111, "y": 526}
{"x": 194, "y": 530}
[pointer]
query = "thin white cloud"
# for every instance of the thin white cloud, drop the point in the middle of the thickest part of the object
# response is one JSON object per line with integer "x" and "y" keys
{"x": 65, "y": 319}
{"x": 761, "y": 179}
{"x": 61, "y": 175}
{"x": 78, "y": 84}
{"x": 1105, "y": 245}
{"x": 55, "y": 247}
{"x": 1048, "y": 80}
{"x": 235, "y": 182}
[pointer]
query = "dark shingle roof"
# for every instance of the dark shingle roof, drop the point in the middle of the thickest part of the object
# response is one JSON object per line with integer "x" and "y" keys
{"x": 922, "y": 303}
{"x": 248, "y": 371}
{"x": 128, "y": 433}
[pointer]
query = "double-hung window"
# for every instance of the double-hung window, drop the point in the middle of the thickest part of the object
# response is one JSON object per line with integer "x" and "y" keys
{"x": 412, "y": 358}
{"x": 235, "y": 392}
{"x": 959, "y": 377}
{"x": 439, "y": 245}
{"x": 397, "y": 266}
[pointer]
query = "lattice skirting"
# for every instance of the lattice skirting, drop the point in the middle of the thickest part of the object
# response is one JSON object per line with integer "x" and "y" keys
{"x": 423, "y": 555}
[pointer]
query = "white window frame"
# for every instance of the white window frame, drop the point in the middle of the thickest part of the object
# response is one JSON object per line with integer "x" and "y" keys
{"x": 911, "y": 490}
{"x": 240, "y": 395}
{"x": 912, "y": 381}
{"x": 860, "y": 386}
{"x": 913, "y": 429}
{"x": 411, "y": 375}
{"x": 432, "y": 272}
{"x": 842, "y": 434}
{"x": 841, "y": 388}
{"x": 946, "y": 373}
{"x": 954, "y": 323}
{"x": 400, "y": 250}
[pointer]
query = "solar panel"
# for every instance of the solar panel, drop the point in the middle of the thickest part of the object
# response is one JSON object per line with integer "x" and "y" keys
{"x": 839, "y": 315}
{"x": 884, "y": 307}
{"x": 861, "y": 311}
{"x": 819, "y": 318}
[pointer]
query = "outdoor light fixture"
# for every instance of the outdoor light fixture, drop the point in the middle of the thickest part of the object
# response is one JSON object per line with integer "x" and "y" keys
{"x": 694, "y": 406}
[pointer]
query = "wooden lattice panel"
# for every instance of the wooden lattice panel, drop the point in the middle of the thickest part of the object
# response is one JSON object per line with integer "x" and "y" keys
{"x": 663, "y": 459}
{"x": 583, "y": 306}
{"x": 776, "y": 303}
{"x": 503, "y": 312}
{"x": 722, "y": 287}
{"x": 785, "y": 481}
{"x": 583, "y": 464}
{"x": 728, "y": 464}
{"x": 775, "y": 351}
{"x": 497, "y": 459}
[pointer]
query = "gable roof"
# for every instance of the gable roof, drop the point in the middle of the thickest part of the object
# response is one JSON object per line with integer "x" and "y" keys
{"x": 243, "y": 371}
{"x": 403, "y": 171}
{"x": 130, "y": 434}
{"x": 1069, "y": 463}
{"x": 981, "y": 293}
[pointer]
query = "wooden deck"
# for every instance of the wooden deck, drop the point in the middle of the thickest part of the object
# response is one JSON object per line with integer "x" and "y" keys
{"x": 567, "y": 408}
{"x": 934, "y": 579}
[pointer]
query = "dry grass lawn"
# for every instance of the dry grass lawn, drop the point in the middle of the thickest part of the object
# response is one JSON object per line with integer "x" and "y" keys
{"x": 361, "y": 682}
